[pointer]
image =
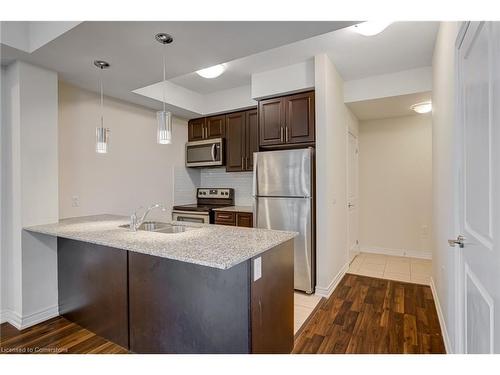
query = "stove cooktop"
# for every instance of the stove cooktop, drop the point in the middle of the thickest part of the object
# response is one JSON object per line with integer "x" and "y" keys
{"x": 199, "y": 207}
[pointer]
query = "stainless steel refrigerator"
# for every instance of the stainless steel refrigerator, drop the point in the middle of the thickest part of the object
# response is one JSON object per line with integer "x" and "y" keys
{"x": 283, "y": 199}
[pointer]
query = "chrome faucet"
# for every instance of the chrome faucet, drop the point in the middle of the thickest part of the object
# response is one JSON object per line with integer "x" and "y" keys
{"x": 135, "y": 224}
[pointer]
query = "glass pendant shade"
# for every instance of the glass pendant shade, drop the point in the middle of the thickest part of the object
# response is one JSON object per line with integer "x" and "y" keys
{"x": 101, "y": 140}
{"x": 164, "y": 132}
{"x": 101, "y": 133}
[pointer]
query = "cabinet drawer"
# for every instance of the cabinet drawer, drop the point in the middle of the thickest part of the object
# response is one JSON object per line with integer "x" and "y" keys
{"x": 225, "y": 218}
{"x": 244, "y": 219}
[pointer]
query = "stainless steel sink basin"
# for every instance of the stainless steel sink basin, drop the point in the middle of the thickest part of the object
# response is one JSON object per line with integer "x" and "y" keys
{"x": 159, "y": 227}
{"x": 172, "y": 229}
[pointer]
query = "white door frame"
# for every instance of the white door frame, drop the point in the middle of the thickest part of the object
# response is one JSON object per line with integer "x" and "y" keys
{"x": 459, "y": 136}
{"x": 350, "y": 133}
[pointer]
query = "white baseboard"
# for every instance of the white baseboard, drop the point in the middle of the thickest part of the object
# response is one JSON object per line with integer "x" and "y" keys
{"x": 442, "y": 323}
{"x": 397, "y": 252}
{"x": 40, "y": 316}
{"x": 11, "y": 317}
{"x": 327, "y": 292}
{"x": 22, "y": 322}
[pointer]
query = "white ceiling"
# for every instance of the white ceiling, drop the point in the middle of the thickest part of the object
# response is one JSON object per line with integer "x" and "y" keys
{"x": 402, "y": 46}
{"x": 394, "y": 106}
{"x": 135, "y": 56}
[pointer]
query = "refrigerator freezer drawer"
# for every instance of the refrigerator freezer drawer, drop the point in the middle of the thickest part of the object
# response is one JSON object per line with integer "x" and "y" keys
{"x": 292, "y": 214}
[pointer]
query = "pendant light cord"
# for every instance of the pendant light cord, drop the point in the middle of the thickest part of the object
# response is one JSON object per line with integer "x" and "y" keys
{"x": 102, "y": 97}
{"x": 164, "y": 75}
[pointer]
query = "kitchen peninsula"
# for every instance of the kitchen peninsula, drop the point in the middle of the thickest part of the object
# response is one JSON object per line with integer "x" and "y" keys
{"x": 196, "y": 289}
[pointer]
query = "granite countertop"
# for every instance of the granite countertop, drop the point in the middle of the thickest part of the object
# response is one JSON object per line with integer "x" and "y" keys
{"x": 248, "y": 209}
{"x": 216, "y": 246}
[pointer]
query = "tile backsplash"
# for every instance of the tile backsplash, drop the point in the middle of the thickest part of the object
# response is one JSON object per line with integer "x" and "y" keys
{"x": 186, "y": 180}
{"x": 241, "y": 182}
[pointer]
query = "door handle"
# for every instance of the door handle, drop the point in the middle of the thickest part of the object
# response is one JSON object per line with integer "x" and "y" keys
{"x": 286, "y": 134}
{"x": 281, "y": 133}
{"x": 460, "y": 241}
{"x": 213, "y": 152}
{"x": 350, "y": 205}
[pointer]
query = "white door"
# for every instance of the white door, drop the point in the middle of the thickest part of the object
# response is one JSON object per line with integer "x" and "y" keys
{"x": 352, "y": 198}
{"x": 479, "y": 187}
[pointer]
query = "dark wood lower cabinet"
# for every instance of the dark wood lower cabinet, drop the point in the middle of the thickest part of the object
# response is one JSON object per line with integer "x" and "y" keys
{"x": 244, "y": 219}
{"x": 150, "y": 304}
{"x": 239, "y": 219}
{"x": 272, "y": 302}
{"x": 93, "y": 288}
{"x": 178, "y": 307}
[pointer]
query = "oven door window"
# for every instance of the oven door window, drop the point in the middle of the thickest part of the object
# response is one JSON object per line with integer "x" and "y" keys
{"x": 191, "y": 219}
{"x": 200, "y": 219}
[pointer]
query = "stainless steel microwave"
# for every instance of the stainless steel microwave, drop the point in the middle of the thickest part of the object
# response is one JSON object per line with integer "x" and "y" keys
{"x": 206, "y": 153}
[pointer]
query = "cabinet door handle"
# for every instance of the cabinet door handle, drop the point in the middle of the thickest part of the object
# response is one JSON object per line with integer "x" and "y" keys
{"x": 286, "y": 134}
{"x": 246, "y": 163}
{"x": 281, "y": 133}
{"x": 242, "y": 162}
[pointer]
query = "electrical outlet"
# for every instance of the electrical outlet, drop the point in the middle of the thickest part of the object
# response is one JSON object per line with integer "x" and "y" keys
{"x": 424, "y": 230}
{"x": 257, "y": 268}
{"x": 75, "y": 201}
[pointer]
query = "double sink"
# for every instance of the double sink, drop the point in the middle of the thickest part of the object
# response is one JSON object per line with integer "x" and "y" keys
{"x": 159, "y": 227}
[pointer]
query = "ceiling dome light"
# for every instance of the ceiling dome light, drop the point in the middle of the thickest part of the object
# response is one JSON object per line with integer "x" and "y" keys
{"x": 371, "y": 28}
{"x": 424, "y": 107}
{"x": 212, "y": 72}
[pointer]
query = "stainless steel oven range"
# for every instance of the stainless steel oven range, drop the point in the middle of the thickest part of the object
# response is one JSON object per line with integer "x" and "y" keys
{"x": 206, "y": 200}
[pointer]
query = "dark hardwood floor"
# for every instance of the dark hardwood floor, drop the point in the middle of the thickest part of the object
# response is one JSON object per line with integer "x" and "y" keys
{"x": 55, "y": 336}
{"x": 368, "y": 315}
{"x": 363, "y": 315}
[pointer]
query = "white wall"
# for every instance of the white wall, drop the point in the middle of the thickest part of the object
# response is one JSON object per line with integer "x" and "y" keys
{"x": 29, "y": 193}
{"x": 443, "y": 134}
{"x": 331, "y": 175}
{"x": 284, "y": 80}
{"x": 229, "y": 100}
{"x": 395, "y": 186}
{"x": 135, "y": 172}
{"x": 387, "y": 85}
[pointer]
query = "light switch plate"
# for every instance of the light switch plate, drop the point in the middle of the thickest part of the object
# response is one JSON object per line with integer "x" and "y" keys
{"x": 257, "y": 268}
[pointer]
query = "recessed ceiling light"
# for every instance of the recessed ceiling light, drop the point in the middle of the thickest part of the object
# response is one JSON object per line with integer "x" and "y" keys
{"x": 371, "y": 28}
{"x": 212, "y": 72}
{"x": 424, "y": 107}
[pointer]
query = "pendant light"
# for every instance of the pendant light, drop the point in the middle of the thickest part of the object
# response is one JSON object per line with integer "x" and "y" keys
{"x": 164, "y": 118}
{"x": 102, "y": 133}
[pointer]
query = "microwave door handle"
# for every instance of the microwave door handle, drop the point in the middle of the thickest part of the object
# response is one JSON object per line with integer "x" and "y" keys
{"x": 213, "y": 152}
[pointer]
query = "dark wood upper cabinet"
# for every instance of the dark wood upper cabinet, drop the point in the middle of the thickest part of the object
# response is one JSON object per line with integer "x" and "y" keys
{"x": 196, "y": 129}
{"x": 299, "y": 114}
{"x": 215, "y": 126}
{"x": 242, "y": 140}
{"x": 235, "y": 141}
{"x": 271, "y": 121}
{"x": 287, "y": 120}
{"x": 206, "y": 128}
{"x": 252, "y": 137}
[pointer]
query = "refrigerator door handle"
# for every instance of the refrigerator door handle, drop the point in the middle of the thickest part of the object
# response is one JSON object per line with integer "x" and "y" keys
{"x": 255, "y": 177}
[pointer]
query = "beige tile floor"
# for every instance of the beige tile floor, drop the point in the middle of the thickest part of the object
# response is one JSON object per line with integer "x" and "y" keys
{"x": 406, "y": 269}
{"x": 304, "y": 305}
